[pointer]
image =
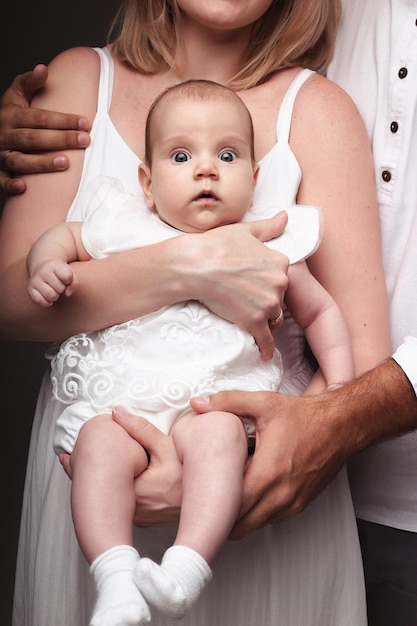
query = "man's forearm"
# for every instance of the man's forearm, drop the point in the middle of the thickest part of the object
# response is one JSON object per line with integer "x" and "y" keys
{"x": 384, "y": 403}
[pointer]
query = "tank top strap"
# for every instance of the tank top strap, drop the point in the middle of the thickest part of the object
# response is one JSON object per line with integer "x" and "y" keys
{"x": 105, "y": 87}
{"x": 287, "y": 105}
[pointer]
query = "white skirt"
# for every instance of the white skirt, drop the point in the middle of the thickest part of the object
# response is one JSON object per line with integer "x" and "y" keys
{"x": 305, "y": 571}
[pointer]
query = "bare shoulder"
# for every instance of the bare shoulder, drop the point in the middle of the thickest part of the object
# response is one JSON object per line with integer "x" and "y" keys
{"x": 328, "y": 93}
{"x": 327, "y": 129}
{"x": 322, "y": 105}
{"x": 72, "y": 83}
{"x": 82, "y": 59}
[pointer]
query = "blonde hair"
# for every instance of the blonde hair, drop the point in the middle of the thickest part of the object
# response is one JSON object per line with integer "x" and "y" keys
{"x": 291, "y": 33}
{"x": 197, "y": 90}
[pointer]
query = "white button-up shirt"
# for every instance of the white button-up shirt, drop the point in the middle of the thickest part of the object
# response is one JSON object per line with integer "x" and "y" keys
{"x": 376, "y": 63}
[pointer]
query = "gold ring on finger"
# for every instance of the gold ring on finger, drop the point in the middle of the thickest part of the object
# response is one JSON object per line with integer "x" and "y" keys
{"x": 277, "y": 320}
{"x": 3, "y": 162}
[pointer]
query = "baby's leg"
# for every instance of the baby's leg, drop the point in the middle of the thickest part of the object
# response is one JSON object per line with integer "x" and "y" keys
{"x": 104, "y": 463}
{"x": 213, "y": 449}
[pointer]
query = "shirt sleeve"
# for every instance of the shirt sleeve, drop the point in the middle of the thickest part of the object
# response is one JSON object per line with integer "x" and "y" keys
{"x": 406, "y": 357}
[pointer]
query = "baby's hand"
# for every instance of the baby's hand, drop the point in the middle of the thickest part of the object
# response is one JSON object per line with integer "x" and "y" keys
{"x": 50, "y": 280}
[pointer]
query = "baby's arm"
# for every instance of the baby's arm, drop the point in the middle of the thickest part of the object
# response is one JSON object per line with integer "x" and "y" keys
{"x": 48, "y": 261}
{"x": 314, "y": 309}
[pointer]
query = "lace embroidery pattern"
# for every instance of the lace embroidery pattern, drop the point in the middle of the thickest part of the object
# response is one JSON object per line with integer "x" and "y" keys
{"x": 160, "y": 360}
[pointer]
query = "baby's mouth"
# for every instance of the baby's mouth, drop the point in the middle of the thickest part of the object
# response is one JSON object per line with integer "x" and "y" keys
{"x": 206, "y": 195}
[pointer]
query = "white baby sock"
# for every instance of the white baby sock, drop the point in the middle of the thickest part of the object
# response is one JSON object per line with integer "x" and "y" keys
{"x": 175, "y": 585}
{"x": 119, "y": 601}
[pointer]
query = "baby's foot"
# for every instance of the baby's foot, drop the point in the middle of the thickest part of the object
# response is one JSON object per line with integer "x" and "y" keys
{"x": 119, "y": 601}
{"x": 174, "y": 586}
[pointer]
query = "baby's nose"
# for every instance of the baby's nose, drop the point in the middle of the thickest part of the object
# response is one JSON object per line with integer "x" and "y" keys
{"x": 206, "y": 167}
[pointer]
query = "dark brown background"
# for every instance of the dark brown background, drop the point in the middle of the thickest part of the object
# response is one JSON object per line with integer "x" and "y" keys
{"x": 31, "y": 32}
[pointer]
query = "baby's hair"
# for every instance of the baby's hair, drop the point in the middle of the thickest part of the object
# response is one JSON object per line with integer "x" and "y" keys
{"x": 203, "y": 90}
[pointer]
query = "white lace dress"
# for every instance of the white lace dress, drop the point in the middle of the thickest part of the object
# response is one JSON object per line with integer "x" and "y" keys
{"x": 305, "y": 571}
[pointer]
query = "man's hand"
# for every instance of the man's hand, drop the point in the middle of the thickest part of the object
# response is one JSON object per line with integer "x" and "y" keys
{"x": 297, "y": 453}
{"x": 25, "y": 133}
{"x": 301, "y": 443}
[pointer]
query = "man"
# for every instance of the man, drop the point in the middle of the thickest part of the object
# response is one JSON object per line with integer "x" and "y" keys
{"x": 376, "y": 63}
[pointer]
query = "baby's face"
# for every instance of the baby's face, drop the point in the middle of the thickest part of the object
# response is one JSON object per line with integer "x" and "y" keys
{"x": 202, "y": 173}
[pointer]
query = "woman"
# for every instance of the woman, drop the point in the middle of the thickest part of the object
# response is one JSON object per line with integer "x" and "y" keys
{"x": 306, "y": 570}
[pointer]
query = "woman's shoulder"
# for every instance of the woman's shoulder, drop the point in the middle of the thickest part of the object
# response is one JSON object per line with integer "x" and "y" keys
{"x": 79, "y": 54}
{"x": 320, "y": 98}
{"x": 74, "y": 64}
{"x": 324, "y": 112}
{"x": 317, "y": 95}
{"x": 73, "y": 77}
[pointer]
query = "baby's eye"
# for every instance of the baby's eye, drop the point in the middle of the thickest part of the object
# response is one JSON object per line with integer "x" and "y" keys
{"x": 180, "y": 157}
{"x": 228, "y": 156}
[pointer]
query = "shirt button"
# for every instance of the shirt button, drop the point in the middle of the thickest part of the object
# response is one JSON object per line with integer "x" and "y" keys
{"x": 402, "y": 73}
{"x": 394, "y": 127}
{"x": 386, "y": 176}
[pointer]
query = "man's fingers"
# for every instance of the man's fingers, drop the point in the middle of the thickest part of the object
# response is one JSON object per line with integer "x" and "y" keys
{"x": 238, "y": 402}
{"x": 20, "y": 163}
{"x": 248, "y": 524}
{"x": 40, "y": 138}
{"x": 12, "y": 186}
{"x": 16, "y": 112}
{"x": 27, "y": 133}
{"x": 32, "y": 81}
{"x": 23, "y": 87}
{"x": 25, "y": 119}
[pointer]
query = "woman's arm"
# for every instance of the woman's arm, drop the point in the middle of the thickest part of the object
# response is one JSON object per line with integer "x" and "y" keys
{"x": 333, "y": 149}
{"x": 25, "y": 133}
{"x": 230, "y": 270}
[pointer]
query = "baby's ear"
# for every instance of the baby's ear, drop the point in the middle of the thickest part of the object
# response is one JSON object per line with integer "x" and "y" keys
{"x": 145, "y": 180}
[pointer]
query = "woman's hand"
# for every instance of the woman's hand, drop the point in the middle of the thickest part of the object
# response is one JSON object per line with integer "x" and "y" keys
{"x": 159, "y": 488}
{"x": 232, "y": 272}
{"x": 25, "y": 133}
